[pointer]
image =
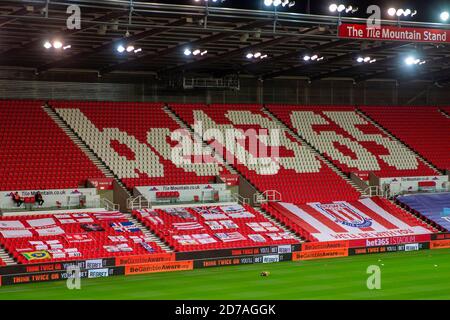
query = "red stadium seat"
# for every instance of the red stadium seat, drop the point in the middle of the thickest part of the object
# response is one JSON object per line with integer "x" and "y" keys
{"x": 36, "y": 154}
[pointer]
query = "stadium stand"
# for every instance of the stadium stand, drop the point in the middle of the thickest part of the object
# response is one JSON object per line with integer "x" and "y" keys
{"x": 211, "y": 228}
{"x": 299, "y": 174}
{"x": 446, "y": 110}
{"x": 434, "y": 208}
{"x": 35, "y": 153}
{"x": 362, "y": 219}
{"x": 351, "y": 142}
{"x": 134, "y": 140}
{"x": 76, "y": 236}
{"x": 417, "y": 127}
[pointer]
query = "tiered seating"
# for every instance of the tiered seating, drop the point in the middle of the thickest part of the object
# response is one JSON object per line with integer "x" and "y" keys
{"x": 362, "y": 219}
{"x": 352, "y": 143}
{"x": 295, "y": 171}
{"x": 134, "y": 140}
{"x": 35, "y": 153}
{"x": 65, "y": 237}
{"x": 424, "y": 129}
{"x": 212, "y": 228}
{"x": 434, "y": 208}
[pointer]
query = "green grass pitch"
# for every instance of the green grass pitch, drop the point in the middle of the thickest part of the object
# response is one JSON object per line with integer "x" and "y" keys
{"x": 414, "y": 275}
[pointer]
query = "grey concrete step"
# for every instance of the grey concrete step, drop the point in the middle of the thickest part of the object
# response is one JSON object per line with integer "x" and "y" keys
{"x": 6, "y": 258}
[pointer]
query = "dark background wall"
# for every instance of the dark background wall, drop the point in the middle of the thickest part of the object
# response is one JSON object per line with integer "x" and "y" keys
{"x": 18, "y": 85}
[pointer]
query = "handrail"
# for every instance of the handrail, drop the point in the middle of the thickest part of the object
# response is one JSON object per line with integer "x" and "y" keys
{"x": 109, "y": 205}
{"x": 267, "y": 196}
{"x": 139, "y": 202}
{"x": 240, "y": 199}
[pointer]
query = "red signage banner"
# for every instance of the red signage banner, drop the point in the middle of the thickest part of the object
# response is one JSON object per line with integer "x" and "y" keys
{"x": 102, "y": 183}
{"x": 377, "y": 242}
{"x": 393, "y": 33}
{"x": 230, "y": 179}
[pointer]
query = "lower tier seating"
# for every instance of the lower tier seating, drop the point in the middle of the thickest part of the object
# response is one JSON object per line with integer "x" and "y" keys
{"x": 364, "y": 219}
{"x": 77, "y": 236}
{"x": 212, "y": 228}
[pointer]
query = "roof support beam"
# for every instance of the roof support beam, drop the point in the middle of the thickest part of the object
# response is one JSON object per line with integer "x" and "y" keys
{"x": 394, "y": 73}
{"x": 229, "y": 54}
{"x": 304, "y": 67}
{"x": 158, "y": 54}
{"x": 342, "y": 71}
{"x": 66, "y": 32}
{"x": 108, "y": 46}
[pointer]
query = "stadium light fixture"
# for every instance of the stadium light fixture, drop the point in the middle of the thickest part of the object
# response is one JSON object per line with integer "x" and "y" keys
{"x": 401, "y": 12}
{"x": 277, "y": 3}
{"x": 194, "y": 52}
{"x": 56, "y": 44}
{"x": 341, "y": 8}
{"x": 392, "y": 12}
{"x": 412, "y": 60}
{"x": 312, "y": 58}
{"x": 445, "y": 16}
{"x": 129, "y": 48}
{"x": 256, "y": 55}
{"x": 365, "y": 59}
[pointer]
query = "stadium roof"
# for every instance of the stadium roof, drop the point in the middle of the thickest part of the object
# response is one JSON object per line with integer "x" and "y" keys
{"x": 165, "y": 31}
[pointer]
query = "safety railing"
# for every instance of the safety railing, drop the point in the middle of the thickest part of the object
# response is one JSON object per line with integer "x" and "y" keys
{"x": 139, "y": 202}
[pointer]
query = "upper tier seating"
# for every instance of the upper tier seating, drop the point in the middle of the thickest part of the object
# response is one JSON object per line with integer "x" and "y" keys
{"x": 424, "y": 129}
{"x": 446, "y": 111}
{"x": 295, "y": 172}
{"x": 352, "y": 143}
{"x": 212, "y": 228}
{"x": 36, "y": 154}
{"x": 64, "y": 237}
{"x": 362, "y": 219}
{"x": 134, "y": 140}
